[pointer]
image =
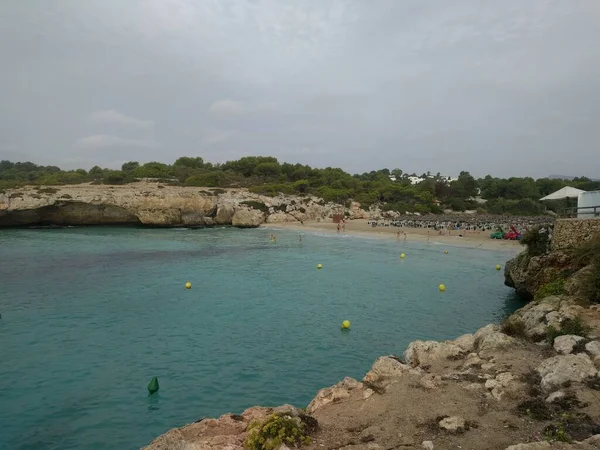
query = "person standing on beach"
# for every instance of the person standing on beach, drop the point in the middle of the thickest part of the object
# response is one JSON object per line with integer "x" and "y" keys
{"x": 398, "y": 235}
{"x": 405, "y": 236}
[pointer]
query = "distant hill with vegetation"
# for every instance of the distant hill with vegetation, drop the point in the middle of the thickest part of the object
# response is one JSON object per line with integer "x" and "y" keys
{"x": 266, "y": 175}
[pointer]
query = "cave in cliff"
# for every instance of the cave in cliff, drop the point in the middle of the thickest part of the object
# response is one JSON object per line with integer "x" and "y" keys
{"x": 69, "y": 213}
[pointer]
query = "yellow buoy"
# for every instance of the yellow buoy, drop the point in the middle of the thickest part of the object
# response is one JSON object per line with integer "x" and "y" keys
{"x": 446, "y": 252}
{"x": 345, "y": 324}
{"x": 319, "y": 266}
{"x": 402, "y": 256}
{"x": 188, "y": 285}
{"x": 442, "y": 288}
{"x": 498, "y": 267}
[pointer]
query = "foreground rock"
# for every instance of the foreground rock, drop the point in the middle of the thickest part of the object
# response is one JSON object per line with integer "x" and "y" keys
{"x": 560, "y": 370}
{"x": 154, "y": 204}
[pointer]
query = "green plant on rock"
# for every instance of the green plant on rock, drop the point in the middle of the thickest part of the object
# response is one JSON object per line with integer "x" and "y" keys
{"x": 514, "y": 326}
{"x": 556, "y": 287}
{"x": 537, "y": 239}
{"x": 588, "y": 254}
{"x": 556, "y": 433}
{"x": 569, "y": 326}
{"x": 275, "y": 431}
{"x": 256, "y": 205}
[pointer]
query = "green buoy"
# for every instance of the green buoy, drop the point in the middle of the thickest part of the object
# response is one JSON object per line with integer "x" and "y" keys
{"x": 153, "y": 385}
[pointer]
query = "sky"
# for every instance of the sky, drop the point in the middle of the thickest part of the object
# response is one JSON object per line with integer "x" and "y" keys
{"x": 509, "y": 87}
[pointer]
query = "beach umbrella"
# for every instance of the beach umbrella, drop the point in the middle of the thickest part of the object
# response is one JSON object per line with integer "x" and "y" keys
{"x": 564, "y": 193}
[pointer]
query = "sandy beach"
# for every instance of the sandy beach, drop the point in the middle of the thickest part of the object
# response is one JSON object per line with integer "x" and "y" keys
{"x": 361, "y": 227}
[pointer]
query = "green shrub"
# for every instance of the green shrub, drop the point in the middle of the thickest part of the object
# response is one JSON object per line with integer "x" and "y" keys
{"x": 514, "y": 326}
{"x": 556, "y": 287}
{"x": 556, "y": 433}
{"x": 591, "y": 283}
{"x": 537, "y": 240}
{"x": 588, "y": 253}
{"x": 256, "y": 205}
{"x": 275, "y": 431}
{"x": 46, "y": 190}
{"x": 569, "y": 326}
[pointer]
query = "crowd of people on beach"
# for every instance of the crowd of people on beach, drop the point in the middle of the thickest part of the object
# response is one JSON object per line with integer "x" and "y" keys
{"x": 466, "y": 224}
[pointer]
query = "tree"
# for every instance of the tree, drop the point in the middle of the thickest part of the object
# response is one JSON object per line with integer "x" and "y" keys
{"x": 191, "y": 162}
{"x": 130, "y": 166}
{"x": 267, "y": 170}
{"x": 397, "y": 173}
{"x": 465, "y": 186}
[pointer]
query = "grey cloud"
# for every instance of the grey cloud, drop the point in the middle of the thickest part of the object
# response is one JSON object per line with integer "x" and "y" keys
{"x": 102, "y": 141}
{"x": 503, "y": 87}
{"x": 227, "y": 108}
{"x": 110, "y": 116}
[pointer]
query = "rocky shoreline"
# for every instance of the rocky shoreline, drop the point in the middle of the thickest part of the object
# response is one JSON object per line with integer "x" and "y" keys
{"x": 154, "y": 204}
{"x": 531, "y": 383}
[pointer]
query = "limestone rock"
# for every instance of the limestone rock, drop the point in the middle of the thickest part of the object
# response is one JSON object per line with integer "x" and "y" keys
{"x": 149, "y": 203}
{"x": 430, "y": 381}
{"x": 593, "y": 348}
{"x": 424, "y": 352}
{"x": 224, "y": 214}
{"x": 286, "y": 410}
{"x": 247, "y": 218}
{"x": 565, "y": 344}
{"x": 505, "y": 383}
{"x": 555, "y": 396}
{"x": 466, "y": 342}
{"x": 228, "y": 431}
{"x": 385, "y": 369}
{"x": 279, "y": 217}
{"x": 454, "y": 424}
{"x": 542, "y": 445}
{"x": 335, "y": 393}
{"x": 560, "y": 369}
{"x": 473, "y": 360}
{"x": 494, "y": 341}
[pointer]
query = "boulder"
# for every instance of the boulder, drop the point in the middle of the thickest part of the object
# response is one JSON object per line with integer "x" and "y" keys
{"x": 505, "y": 383}
{"x": 542, "y": 445}
{"x": 555, "y": 396}
{"x": 385, "y": 369}
{"x": 427, "y": 445}
{"x": 473, "y": 360}
{"x": 454, "y": 424}
{"x": 489, "y": 338}
{"x": 247, "y": 218}
{"x": 279, "y": 217}
{"x": 466, "y": 342}
{"x": 425, "y": 352}
{"x": 558, "y": 370}
{"x": 225, "y": 212}
{"x": 573, "y": 285}
{"x": 335, "y": 393}
{"x": 534, "y": 317}
{"x": 565, "y": 344}
{"x": 593, "y": 348}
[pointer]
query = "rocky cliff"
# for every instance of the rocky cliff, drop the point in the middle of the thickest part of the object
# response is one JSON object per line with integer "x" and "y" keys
{"x": 154, "y": 204}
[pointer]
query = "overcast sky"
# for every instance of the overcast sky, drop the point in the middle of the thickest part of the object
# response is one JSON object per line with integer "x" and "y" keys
{"x": 507, "y": 87}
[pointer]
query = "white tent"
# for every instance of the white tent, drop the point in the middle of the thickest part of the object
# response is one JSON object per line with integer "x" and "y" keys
{"x": 566, "y": 192}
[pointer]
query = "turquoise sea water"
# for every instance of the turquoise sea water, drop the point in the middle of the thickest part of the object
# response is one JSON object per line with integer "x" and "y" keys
{"x": 89, "y": 315}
